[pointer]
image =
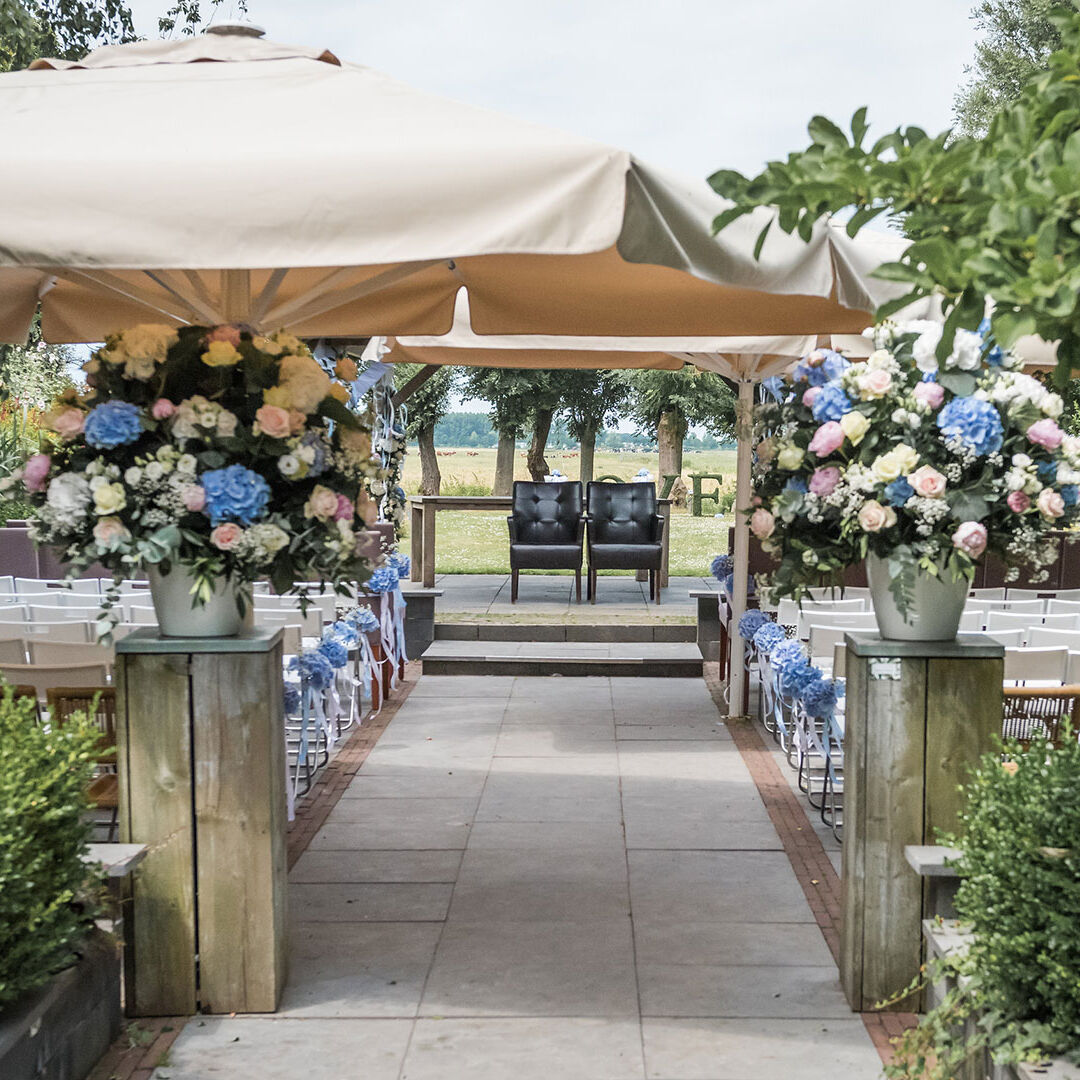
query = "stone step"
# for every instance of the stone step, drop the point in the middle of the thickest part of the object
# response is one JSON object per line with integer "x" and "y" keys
{"x": 596, "y": 632}
{"x": 641, "y": 659}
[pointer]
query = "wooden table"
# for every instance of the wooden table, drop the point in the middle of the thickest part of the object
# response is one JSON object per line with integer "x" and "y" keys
{"x": 423, "y": 509}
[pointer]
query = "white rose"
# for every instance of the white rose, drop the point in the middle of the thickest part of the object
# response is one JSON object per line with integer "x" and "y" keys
{"x": 186, "y": 463}
{"x": 1053, "y": 405}
{"x": 98, "y": 481}
{"x": 226, "y": 423}
{"x": 132, "y": 476}
{"x": 1016, "y": 479}
{"x": 924, "y": 349}
{"x": 1021, "y": 461}
{"x": 154, "y": 471}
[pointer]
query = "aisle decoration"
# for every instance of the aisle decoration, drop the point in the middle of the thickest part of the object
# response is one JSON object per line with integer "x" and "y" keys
{"x": 390, "y": 443}
{"x": 226, "y": 455}
{"x": 921, "y": 460}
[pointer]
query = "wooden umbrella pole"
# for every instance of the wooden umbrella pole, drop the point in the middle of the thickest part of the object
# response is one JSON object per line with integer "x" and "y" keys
{"x": 741, "y": 570}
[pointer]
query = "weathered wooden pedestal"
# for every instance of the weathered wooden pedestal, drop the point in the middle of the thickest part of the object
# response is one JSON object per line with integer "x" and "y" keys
{"x": 919, "y": 715}
{"x": 201, "y": 745}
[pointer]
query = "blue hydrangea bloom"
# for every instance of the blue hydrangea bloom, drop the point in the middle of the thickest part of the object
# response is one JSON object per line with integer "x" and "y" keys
{"x": 786, "y": 654}
{"x": 235, "y": 494}
{"x": 795, "y": 679}
{"x": 383, "y": 579}
{"x": 721, "y": 566}
{"x": 401, "y": 563}
{"x": 346, "y": 633}
{"x": 768, "y": 637}
{"x": 314, "y": 669}
{"x": 898, "y": 492}
{"x": 292, "y": 698}
{"x": 929, "y": 376}
{"x": 976, "y": 422}
{"x": 364, "y": 619}
{"x": 752, "y": 621}
{"x": 1047, "y": 471}
{"x": 111, "y": 424}
{"x": 819, "y": 698}
{"x": 797, "y": 484}
{"x": 774, "y": 387}
{"x": 831, "y": 403}
{"x": 335, "y": 651}
{"x": 996, "y": 354}
{"x": 1070, "y": 494}
{"x": 833, "y": 366}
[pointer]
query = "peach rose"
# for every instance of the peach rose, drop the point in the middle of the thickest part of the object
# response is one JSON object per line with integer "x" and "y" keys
{"x": 927, "y": 482}
{"x": 366, "y": 509}
{"x": 762, "y": 523}
{"x": 322, "y": 504}
{"x": 110, "y": 530}
{"x": 227, "y": 333}
{"x": 226, "y": 536}
{"x": 272, "y": 421}
{"x": 1050, "y": 503}
{"x": 68, "y": 423}
{"x": 873, "y": 517}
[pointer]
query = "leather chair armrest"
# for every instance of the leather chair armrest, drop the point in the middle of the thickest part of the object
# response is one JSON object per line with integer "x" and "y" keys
{"x": 582, "y": 521}
{"x": 658, "y": 528}
{"x": 512, "y": 526}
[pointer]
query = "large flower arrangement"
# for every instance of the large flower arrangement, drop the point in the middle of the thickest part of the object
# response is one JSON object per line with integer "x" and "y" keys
{"x": 230, "y": 454}
{"x": 926, "y": 462}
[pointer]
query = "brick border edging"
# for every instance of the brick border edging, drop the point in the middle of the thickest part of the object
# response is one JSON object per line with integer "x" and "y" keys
{"x": 125, "y": 1061}
{"x": 813, "y": 869}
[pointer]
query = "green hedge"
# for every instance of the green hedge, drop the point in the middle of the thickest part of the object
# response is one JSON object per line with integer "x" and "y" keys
{"x": 45, "y": 905}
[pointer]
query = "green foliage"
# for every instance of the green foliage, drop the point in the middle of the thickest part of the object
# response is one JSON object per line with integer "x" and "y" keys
{"x": 44, "y": 909}
{"x": 697, "y": 397}
{"x": 1020, "y": 897}
{"x": 591, "y": 400}
{"x": 465, "y": 429}
{"x": 427, "y": 405}
{"x": 66, "y": 29}
{"x": 511, "y": 392}
{"x": 187, "y": 16}
{"x": 993, "y": 217}
{"x": 1018, "y": 36}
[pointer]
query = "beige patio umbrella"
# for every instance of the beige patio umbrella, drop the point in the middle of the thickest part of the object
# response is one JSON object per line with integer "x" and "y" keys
{"x": 226, "y": 177}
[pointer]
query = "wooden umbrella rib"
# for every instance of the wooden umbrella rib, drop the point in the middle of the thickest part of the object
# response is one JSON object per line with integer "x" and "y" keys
{"x": 267, "y": 295}
{"x": 203, "y": 308}
{"x": 107, "y": 282}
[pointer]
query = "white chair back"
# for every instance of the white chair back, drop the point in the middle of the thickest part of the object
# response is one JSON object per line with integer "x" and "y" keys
{"x": 842, "y": 592}
{"x": 1043, "y": 636}
{"x": 851, "y": 620}
{"x": 7, "y": 583}
{"x": 971, "y": 622}
{"x": 1036, "y": 665}
{"x": 140, "y": 614}
{"x": 47, "y": 613}
{"x": 824, "y": 641}
{"x": 43, "y": 677}
{"x": 1011, "y": 639}
{"x": 1028, "y": 594}
{"x": 1062, "y": 607}
{"x": 987, "y": 594}
{"x": 1028, "y": 607}
{"x": 12, "y": 651}
{"x": 1066, "y": 594}
{"x": 43, "y": 651}
{"x": 13, "y": 613}
{"x": 57, "y": 630}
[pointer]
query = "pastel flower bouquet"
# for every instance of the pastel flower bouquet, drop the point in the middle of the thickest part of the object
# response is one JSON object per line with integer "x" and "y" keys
{"x": 924, "y": 460}
{"x": 228, "y": 454}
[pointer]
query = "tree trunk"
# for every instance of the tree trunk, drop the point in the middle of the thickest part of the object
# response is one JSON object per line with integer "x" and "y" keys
{"x": 430, "y": 478}
{"x": 670, "y": 432}
{"x": 504, "y": 464}
{"x": 588, "y": 453}
{"x": 538, "y": 466}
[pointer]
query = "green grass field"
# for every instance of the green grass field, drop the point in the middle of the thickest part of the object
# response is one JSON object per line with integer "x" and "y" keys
{"x": 476, "y": 543}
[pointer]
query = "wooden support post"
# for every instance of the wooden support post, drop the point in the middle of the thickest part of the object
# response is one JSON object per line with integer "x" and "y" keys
{"x": 428, "y": 528}
{"x": 416, "y": 540}
{"x": 201, "y": 757}
{"x": 919, "y": 715}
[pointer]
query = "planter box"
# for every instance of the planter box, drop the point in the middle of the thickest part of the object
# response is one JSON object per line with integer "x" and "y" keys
{"x": 947, "y": 939}
{"x": 61, "y": 1031}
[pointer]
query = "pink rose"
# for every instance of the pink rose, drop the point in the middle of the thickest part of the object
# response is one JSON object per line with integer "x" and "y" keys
{"x": 273, "y": 421}
{"x": 1018, "y": 502}
{"x": 162, "y": 409}
{"x": 1050, "y": 503}
{"x": 824, "y": 480}
{"x": 873, "y": 517}
{"x": 226, "y": 536}
{"x": 762, "y": 523}
{"x": 927, "y": 482}
{"x": 970, "y": 538}
{"x": 345, "y": 509}
{"x": 827, "y": 439}
{"x": 929, "y": 394}
{"x": 109, "y": 530}
{"x": 1046, "y": 433}
{"x": 68, "y": 423}
{"x": 809, "y": 396}
{"x": 193, "y": 497}
{"x": 35, "y": 471}
{"x": 227, "y": 332}
{"x": 875, "y": 383}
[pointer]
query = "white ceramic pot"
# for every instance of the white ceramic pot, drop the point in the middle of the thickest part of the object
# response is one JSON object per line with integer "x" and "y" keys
{"x": 937, "y": 604}
{"x": 218, "y": 617}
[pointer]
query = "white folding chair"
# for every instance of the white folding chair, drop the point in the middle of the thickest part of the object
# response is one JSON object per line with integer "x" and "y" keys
{"x": 987, "y": 594}
{"x": 90, "y": 586}
{"x": 1007, "y": 620}
{"x": 1018, "y": 607}
{"x": 1046, "y": 636}
{"x": 851, "y": 620}
{"x": 971, "y": 622}
{"x": 43, "y": 677}
{"x": 1011, "y": 639}
{"x": 12, "y": 651}
{"x": 841, "y": 592}
{"x": 1072, "y": 671}
{"x": 1067, "y": 594}
{"x": 140, "y": 614}
{"x": 1029, "y": 594}
{"x": 1025, "y": 666}
{"x": 122, "y": 629}
{"x": 55, "y": 653}
{"x": 823, "y": 644}
{"x": 30, "y": 584}
{"x": 13, "y": 613}
{"x": 7, "y": 583}
{"x": 46, "y": 613}
{"x": 1062, "y": 607}
{"x": 57, "y": 630}
{"x": 135, "y": 588}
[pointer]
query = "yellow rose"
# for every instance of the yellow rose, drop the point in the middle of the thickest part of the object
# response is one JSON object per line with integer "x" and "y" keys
{"x": 790, "y": 457}
{"x": 345, "y": 369}
{"x": 109, "y": 498}
{"x": 907, "y": 457}
{"x": 340, "y": 392}
{"x": 220, "y": 354}
{"x": 266, "y": 345}
{"x": 886, "y": 468}
{"x": 278, "y": 396}
{"x": 855, "y": 426}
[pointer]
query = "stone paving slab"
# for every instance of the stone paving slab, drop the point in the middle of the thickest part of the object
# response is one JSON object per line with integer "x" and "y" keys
{"x": 547, "y": 879}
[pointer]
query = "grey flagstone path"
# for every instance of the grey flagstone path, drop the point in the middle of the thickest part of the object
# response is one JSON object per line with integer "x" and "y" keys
{"x": 547, "y": 879}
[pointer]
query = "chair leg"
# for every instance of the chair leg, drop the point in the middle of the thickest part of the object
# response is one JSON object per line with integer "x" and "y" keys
{"x": 592, "y": 582}
{"x": 656, "y": 586}
{"x": 513, "y": 586}
{"x": 577, "y": 583}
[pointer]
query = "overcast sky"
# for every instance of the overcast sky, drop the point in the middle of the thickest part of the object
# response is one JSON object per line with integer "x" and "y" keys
{"x": 693, "y": 85}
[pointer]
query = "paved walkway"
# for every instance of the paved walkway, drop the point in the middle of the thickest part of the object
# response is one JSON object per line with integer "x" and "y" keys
{"x": 547, "y": 879}
{"x": 551, "y": 594}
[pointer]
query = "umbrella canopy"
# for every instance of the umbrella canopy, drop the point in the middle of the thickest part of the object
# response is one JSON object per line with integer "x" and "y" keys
{"x": 229, "y": 178}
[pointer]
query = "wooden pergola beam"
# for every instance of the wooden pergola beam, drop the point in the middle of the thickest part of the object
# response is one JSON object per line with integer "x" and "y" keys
{"x": 414, "y": 384}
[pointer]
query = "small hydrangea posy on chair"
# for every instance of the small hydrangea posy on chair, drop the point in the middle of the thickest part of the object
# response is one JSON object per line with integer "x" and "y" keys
{"x": 916, "y": 462}
{"x": 209, "y": 458}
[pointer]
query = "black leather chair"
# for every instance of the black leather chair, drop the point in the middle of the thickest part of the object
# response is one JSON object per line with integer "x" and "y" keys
{"x": 547, "y": 527}
{"x": 625, "y": 532}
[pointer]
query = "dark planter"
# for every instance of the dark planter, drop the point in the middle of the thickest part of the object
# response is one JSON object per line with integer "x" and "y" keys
{"x": 61, "y": 1031}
